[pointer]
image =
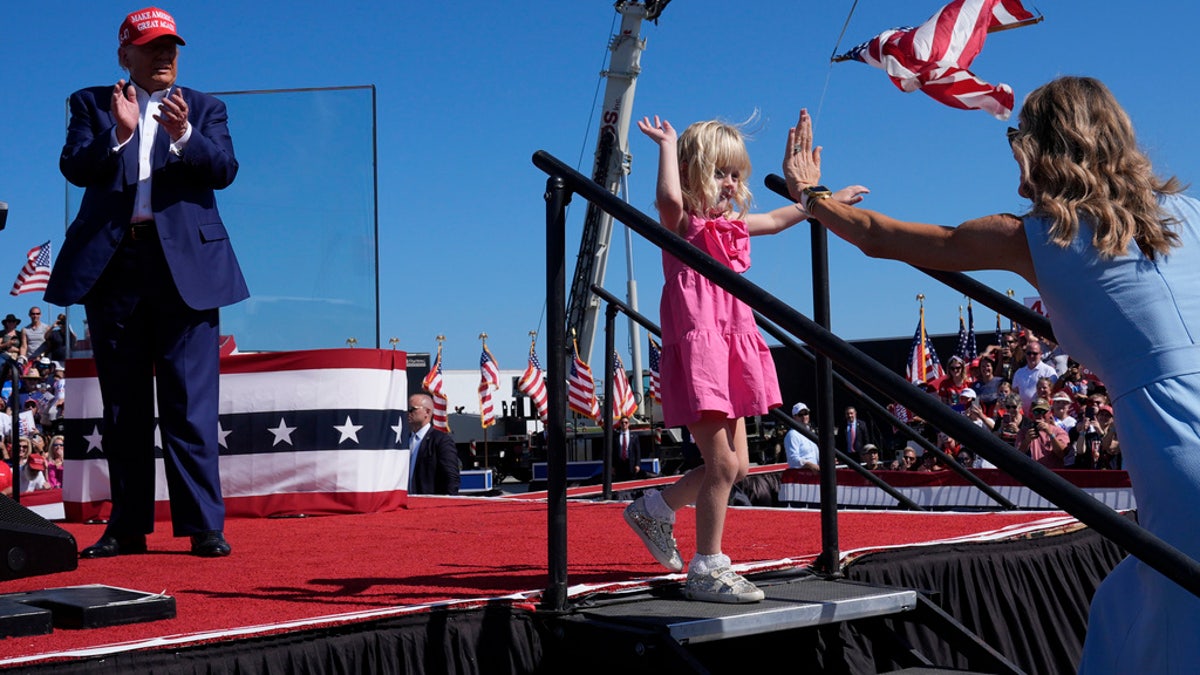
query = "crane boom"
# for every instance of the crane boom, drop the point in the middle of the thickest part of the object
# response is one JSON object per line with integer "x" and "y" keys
{"x": 611, "y": 164}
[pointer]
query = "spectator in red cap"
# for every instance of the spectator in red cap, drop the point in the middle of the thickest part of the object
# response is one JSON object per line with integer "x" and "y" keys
{"x": 150, "y": 259}
{"x": 5, "y": 479}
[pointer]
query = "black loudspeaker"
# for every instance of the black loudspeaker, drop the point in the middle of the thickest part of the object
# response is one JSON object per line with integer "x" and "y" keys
{"x": 31, "y": 545}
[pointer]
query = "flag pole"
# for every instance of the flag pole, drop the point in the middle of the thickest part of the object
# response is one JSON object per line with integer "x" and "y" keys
{"x": 924, "y": 359}
{"x": 483, "y": 339}
{"x": 1019, "y": 24}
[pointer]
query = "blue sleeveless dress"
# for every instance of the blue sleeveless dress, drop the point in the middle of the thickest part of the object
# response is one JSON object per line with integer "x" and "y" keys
{"x": 1136, "y": 323}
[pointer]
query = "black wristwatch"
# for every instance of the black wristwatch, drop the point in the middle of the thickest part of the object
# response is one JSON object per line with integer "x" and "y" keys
{"x": 813, "y": 192}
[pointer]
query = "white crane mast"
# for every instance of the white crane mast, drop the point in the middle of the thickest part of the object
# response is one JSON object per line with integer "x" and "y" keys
{"x": 612, "y": 162}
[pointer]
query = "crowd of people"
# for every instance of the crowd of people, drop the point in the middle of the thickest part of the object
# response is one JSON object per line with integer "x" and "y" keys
{"x": 1050, "y": 408}
{"x": 37, "y": 351}
{"x": 1029, "y": 393}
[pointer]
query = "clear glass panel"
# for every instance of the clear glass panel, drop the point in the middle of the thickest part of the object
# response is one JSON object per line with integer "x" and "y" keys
{"x": 302, "y": 217}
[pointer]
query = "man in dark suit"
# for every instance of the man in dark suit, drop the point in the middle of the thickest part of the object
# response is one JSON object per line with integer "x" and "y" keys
{"x": 627, "y": 453}
{"x": 434, "y": 466}
{"x": 852, "y": 434}
{"x": 151, "y": 262}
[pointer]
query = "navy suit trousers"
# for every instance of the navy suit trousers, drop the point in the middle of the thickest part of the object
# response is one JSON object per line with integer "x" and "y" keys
{"x": 142, "y": 330}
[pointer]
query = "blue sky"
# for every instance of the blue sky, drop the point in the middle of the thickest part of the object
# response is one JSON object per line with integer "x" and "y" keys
{"x": 467, "y": 91}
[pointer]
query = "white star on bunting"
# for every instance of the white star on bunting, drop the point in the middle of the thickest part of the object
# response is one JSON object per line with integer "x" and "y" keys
{"x": 348, "y": 430}
{"x": 283, "y": 433}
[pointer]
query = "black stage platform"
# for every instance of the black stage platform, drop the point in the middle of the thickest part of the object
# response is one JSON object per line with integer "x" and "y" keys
{"x": 896, "y": 611}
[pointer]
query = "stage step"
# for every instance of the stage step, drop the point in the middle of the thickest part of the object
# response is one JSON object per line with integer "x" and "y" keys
{"x": 799, "y": 603}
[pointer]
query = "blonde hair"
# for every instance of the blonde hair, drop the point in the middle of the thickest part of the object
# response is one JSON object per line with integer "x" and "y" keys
{"x": 702, "y": 149}
{"x": 1079, "y": 160}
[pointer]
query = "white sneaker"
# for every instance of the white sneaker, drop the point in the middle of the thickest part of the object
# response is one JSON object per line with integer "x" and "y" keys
{"x": 721, "y": 585}
{"x": 656, "y": 534}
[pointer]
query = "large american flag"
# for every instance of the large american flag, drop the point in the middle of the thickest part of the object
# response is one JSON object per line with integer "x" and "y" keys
{"x": 434, "y": 384}
{"x": 36, "y": 272}
{"x": 624, "y": 402}
{"x": 923, "y": 363}
{"x": 581, "y": 389}
{"x": 533, "y": 384}
{"x": 935, "y": 56}
{"x": 655, "y": 359}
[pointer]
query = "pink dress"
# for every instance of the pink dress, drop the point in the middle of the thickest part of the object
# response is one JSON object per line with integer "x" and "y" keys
{"x": 713, "y": 357}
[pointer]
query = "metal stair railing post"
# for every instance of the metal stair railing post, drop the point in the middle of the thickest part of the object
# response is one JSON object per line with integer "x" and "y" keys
{"x": 883, "y": 412}
{"x": 557, "y": 197}
{"x": 1150, "y": 549}
{"x": 828, "y": 562}
{"x": 610, "y": 316}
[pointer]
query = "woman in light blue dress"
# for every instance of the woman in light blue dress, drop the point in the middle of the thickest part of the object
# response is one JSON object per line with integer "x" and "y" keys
{"x": 1115, "y": 253}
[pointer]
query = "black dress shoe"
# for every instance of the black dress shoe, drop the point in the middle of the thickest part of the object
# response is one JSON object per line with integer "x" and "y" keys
{"x": 210, "y": 545}
{"x": 110, "y": 546}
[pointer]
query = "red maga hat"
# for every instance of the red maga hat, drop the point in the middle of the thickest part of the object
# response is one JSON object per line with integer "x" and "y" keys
{"x": 145, "y": 25}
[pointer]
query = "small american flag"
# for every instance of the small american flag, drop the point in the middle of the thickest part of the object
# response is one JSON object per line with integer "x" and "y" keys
{"x": 972, "y": 344}
{"x": 581, "y": 389}
{"x": 36, "y": 272}
{"x": 624, "y": 402}
{"x": 533, "y": 385}
{"x": 434, "y": 385}
{"x": 655, "y": 358}
{"x": 923, "y": 363}
{"x": 964, "y": 349}
{"x": 487, "y": 411}
{"x": 488, "y": 368}
{"x": 935, "y": 56}
{"x": 489, "y": 378}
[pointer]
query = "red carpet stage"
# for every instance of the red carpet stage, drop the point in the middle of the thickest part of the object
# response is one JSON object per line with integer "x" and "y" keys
{"x": 334, "y": 575}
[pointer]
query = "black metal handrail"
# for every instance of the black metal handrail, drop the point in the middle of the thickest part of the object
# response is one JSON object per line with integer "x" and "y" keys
{"x": 1146, "y": 546}
{"x": 615, "y": 304}
{"x": 883, "y": 412}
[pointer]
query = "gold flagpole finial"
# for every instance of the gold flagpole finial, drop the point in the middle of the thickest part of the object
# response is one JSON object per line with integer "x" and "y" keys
{"x": 394, "y": 341}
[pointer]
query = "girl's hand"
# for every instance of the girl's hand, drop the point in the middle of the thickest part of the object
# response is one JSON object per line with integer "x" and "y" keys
{"x": 801, "y": 161}
{"x": 851, "y": 194}
{"x": 660, "y": 131}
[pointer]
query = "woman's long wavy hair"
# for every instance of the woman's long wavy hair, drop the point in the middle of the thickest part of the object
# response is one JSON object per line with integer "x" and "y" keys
{"x": 703, "y": 148}
{"x": 1080, "y": 161}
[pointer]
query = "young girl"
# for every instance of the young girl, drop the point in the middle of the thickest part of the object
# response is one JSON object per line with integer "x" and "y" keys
{"x": 716, "y": 368}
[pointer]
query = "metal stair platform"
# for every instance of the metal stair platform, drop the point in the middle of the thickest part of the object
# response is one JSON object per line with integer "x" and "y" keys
{"x": 798, "y": 603}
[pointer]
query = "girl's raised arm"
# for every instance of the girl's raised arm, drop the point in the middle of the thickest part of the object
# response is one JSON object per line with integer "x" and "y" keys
{"x": 669, "y": 194}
